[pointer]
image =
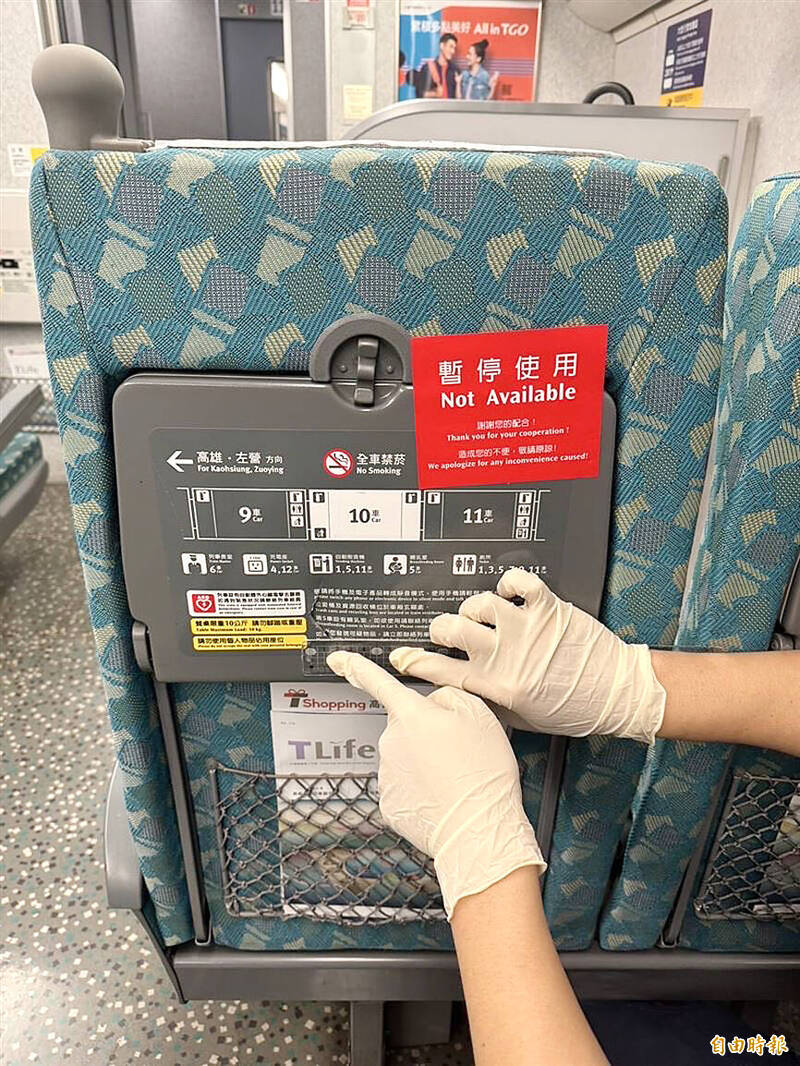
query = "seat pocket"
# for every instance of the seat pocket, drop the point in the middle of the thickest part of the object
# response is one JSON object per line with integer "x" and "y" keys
{"x": 316, "y": 847}
{"x": 753, "y": 868}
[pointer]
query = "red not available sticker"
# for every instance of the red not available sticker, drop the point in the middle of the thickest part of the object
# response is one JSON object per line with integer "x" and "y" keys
{"x": 509, "y": 408}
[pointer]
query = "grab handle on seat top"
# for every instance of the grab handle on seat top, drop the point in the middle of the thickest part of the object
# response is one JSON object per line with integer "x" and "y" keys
{"x": 80, "y": 93}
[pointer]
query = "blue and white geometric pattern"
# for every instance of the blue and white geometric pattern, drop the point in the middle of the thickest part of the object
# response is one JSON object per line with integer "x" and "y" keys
{"x": 748, "y": 548}
{"x": 237, "y": 260}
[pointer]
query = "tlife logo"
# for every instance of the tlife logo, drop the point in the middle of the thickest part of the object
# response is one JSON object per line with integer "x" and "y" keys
{"x": 294, "y": 695}
{"x": 349, "y": 750}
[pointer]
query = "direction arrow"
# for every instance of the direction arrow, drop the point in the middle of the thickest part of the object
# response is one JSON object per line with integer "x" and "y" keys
{"x": 177, "y": 463}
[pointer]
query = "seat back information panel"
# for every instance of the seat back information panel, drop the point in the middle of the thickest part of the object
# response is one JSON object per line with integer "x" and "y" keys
{"x": 265, "y": 522}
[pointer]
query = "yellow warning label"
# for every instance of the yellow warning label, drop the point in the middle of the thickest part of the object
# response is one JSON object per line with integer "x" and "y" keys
{"x": 683, "y": 98}
{"x": 250, "y": 642}
{"x": 248, "y": 625}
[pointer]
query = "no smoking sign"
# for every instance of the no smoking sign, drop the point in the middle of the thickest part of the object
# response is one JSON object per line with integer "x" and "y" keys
{"x": 338, "y": 462}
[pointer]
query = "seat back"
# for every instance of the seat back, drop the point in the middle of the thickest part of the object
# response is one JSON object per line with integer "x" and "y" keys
{"x": 733, "y": 813}
{"x": 674, "y": 353}
{"x": 237, "y": 260}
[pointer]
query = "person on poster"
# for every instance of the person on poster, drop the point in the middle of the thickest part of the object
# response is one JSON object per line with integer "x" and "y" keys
{"x": 405, "y": 79}
{"x": 438, "y": 79}
{"x": 475, "y": 83}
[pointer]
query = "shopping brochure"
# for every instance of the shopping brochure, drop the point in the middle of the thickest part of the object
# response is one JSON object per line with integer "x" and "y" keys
{"x": 337, "y": 860}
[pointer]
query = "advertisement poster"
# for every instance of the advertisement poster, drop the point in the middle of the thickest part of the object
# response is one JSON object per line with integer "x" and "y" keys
{"x": 469, "y": 51}
{"x": 685, "y": 56}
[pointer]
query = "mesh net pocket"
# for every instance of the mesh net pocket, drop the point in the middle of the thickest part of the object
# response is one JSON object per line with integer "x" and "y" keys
{"x": 316, "y": 847}
{"x": 753, "y": 870}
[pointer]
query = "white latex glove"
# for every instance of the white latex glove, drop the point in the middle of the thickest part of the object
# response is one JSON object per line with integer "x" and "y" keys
{"x": 448, "y": 781}
{"x": 555, "y": 667}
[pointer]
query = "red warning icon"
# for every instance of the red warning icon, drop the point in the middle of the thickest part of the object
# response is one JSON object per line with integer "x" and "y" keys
{"x": 338, "y": 462}
{"x": 204, "y": 603}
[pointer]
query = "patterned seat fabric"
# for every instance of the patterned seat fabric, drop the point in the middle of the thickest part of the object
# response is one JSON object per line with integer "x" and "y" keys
{"x": 237, "y": 260}
{"x": 23, "y": 453}
{"x": 749, "y": 544}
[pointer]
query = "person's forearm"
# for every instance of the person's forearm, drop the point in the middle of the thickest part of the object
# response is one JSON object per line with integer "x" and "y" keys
{"x": 741, "y": 698}
{"x": 521, "y": 1006}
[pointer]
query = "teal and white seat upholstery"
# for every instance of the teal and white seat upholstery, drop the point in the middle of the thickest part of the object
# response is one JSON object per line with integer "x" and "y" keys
{"x": 746, "y": 893}
{"x": 237, "y": 260}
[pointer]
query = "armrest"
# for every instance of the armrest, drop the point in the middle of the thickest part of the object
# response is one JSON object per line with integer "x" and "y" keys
{"x": 20, "y": 499}
{"x": 124, "y": 884}
{"x": 16, "y": 408}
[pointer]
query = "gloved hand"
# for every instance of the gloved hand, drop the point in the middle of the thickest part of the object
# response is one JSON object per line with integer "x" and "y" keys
{"x": 448, "y": 781}
{"x": 555, "y": 667}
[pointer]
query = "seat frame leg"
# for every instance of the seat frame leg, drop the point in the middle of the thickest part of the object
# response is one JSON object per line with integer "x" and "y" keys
{"x": 413, "y": 1024}
{"x": 366, "y": 1033}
